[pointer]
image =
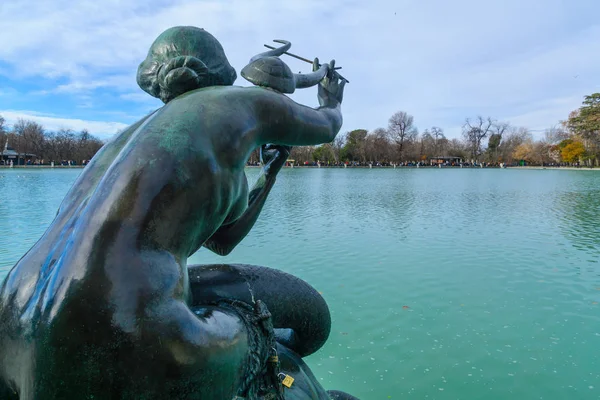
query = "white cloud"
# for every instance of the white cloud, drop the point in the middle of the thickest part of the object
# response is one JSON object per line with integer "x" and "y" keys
{"x": 140, "y": 97}
{"x": 543, "y": 115}
{"x": 503, "y": 59}
{"x": 51, "y": 122}
{"x": 78, "y": 86}
{"x": 8, "y": 92}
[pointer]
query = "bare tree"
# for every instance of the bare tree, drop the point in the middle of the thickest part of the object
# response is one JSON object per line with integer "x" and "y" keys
{"x": 64, "y": 145}
{"x": 426, "y": 146}
{"x": 378, "y": 145}
{"x": 457, "y": 148}
{"x": 302, "y": 154}
{"x": 542, "y": 152}
{"x": 437, "y": 134}
{"x": 3, "y": 134}
{"x": 401, "y": 129}
{"x": 16, "y": 139}
{"x": 33, "y": 138}
{"x": 500, "y": 128}
{"x": 556, "y": 134}
{"x": 515, "y": 137}
{"x": 336, "y": 146}
{"x": 86, "y": 146}
{"x": 29, "y": 137}
{"x": 475, "y": 131}
{"x": 497, "y": 132}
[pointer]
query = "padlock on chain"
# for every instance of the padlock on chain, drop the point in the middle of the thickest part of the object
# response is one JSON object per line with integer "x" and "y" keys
{"x": 286, "y": 380}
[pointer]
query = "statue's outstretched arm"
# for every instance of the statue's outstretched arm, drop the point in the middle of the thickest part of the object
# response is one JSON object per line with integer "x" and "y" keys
{"x": 286, "y": 122}
{"x": 299, "y": 125}
{"x": 229, "y": 235}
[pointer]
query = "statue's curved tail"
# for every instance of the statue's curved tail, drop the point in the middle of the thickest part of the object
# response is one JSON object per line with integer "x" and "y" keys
{"x": 274, "y": 52}
{"x": 311, "y": 79}
{"x": 300, "y": 315}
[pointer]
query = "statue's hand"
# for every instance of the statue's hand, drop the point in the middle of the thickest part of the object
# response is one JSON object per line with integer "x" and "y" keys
{"x": 331, "y": 88}
{"x": 273, "y": 158}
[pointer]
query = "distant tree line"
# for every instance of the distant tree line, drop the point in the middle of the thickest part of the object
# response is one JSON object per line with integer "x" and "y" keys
{"x": 574, "y": 141}
{"x": 36, "y": 145}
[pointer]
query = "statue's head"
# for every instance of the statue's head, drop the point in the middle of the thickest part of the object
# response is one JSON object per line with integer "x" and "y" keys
{"x": 182, "y": 59}
{"x": 268, "y": 70}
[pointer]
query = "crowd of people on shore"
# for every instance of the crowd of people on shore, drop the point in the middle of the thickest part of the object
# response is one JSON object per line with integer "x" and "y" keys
{"x": 416, "y": 164}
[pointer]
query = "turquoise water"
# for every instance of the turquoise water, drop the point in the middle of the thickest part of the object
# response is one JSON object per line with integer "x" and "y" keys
{"x": 443, "y": 284}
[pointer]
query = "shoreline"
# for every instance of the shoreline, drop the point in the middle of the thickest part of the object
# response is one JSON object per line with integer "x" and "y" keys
{"x": 41, "y": 166}
{"x": 431, "y": 167}
{"x": 334, "y": 167}
{"x": 563, "y": 168}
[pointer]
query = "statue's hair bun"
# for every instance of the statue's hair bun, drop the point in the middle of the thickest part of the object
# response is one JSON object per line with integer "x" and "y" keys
{"x": 179, "y": 75}
{"x": 182, "y": 59}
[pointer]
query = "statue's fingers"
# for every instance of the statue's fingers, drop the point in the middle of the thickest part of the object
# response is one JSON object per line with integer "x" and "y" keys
{"x": 340, "y": 92}
{"x": 335, "y": 76}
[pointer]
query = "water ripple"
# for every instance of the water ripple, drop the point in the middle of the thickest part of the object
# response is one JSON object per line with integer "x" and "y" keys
{"x": 441, "y": 283}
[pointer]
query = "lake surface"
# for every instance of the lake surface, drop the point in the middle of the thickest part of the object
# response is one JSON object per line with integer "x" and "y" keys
{"x": 442, "y": 284}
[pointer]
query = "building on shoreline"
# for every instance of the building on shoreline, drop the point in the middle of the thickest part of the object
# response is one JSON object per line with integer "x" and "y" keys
{"x": 9, "y": 154}
{"x": 445, "y": 160}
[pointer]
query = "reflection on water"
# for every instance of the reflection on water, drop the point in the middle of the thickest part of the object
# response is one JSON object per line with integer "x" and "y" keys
{"x": 30, "y": 200}
{"x": 581, "y": 221}
{"x": 442, "y": 283}
{"x": 578, "y": 209}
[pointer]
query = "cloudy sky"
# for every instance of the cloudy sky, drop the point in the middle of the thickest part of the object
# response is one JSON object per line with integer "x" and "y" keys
{"x": 72, "y": 64}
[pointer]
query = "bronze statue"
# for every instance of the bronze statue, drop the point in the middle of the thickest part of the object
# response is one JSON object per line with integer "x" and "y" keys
{"x": 104, "y": 305}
